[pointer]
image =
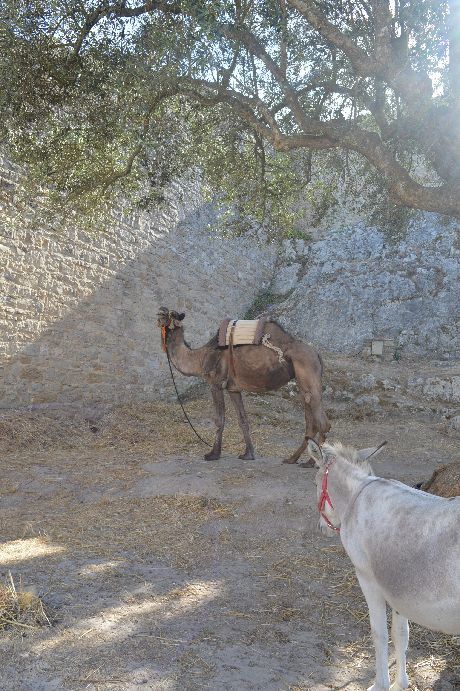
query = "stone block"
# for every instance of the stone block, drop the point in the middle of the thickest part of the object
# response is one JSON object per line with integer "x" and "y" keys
{"x": 31, "y": 374}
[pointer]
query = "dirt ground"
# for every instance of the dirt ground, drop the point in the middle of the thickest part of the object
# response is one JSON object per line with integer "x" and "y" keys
{"x": 162, "y": 571}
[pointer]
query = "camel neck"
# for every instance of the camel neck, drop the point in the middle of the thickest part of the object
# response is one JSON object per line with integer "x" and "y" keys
{"x": 189, "y": 362}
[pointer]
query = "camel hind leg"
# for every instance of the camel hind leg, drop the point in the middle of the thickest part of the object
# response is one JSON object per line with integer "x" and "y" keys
{"x": 297, "y": 454}
{"x": 316, "y": 421}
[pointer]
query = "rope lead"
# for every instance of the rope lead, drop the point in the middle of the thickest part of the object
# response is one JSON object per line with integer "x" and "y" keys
{"x": 181, "y": 405}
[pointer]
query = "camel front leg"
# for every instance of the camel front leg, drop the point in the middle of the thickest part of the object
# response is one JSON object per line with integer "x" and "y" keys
{"x": 309, "y": 434}
{"x": 379, "y": 630}
{"x": 400, "y": 636}
{"x": 219, "y": 409}
{"x": 316, "y": 421}
{"x": 297, "y": 454}
{"x": 237, "y": 401}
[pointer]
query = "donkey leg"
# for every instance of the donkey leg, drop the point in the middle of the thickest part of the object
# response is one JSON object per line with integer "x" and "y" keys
{"x": 400, "y": 636}
{"x": 379, "y": 630}
{"x": 219, "y": 409}
{"x": 237, "y": 401}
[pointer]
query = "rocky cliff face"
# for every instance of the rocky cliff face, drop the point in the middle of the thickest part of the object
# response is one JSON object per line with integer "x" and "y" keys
{"x": 354, "y": 284}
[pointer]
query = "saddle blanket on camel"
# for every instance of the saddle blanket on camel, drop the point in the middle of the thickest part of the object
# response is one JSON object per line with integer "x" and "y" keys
{"x": 241, "y": 331}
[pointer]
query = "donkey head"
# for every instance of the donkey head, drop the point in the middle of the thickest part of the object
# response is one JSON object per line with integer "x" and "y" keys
{"x": 325, "y": 459}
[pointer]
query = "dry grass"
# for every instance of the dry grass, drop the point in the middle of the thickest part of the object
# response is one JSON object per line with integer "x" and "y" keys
{"x": 167, "y": 527}
{"x": 164, "y": 527}
{"x": 159, "y": 429}
{"x": 20, "y": 608}
{"x": 154, "y": 426}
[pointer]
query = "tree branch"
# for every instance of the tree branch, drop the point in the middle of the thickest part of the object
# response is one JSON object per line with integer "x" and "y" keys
{"x": 248, "y": 39}
{"x": 119, "y": 10}
{"x": 283, "y": 38}
{"x": 126, "y": 170}
{"x": 363, "y": 64}
{"x": 383, "y": 33}
{"x": 412, "y": 86}
{"x": 333, "y": 134}
{"x": 242, "y": 106}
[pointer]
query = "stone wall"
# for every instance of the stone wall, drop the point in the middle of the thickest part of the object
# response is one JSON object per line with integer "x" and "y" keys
{"x": 78, "y": 310}
{"x": 356, "y": 284}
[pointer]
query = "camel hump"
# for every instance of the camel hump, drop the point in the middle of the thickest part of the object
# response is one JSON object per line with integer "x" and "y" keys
{"x": 242, "y": 331}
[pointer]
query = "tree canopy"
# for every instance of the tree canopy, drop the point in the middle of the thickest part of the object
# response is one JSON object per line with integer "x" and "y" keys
{"x": 102, "y": 97}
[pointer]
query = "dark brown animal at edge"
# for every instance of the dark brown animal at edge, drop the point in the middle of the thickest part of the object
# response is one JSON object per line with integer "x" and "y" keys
{"x": 445, "y": 481}
{"x": 256, "y": 369}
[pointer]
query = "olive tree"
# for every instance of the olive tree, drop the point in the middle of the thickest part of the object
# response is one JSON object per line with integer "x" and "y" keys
{"x": 103, "y": 97}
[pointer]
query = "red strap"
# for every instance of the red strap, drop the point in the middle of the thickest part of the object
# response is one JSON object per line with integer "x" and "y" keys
{"x": 326, "y": 498}
{"x": 163, "y": 338}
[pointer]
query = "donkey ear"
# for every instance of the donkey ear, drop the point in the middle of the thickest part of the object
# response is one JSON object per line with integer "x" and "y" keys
{"x": 315, "y": 452}
{"x": 365, "y": 454}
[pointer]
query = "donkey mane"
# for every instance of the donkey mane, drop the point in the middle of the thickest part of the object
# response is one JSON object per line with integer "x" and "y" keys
{"x": 349, "y": 454}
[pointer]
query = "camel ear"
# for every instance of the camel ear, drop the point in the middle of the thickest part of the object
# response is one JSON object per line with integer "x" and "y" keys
{"x": 315, "y": 452}
{"x": 177, "y": 319}
{"x": 365, "y": 454}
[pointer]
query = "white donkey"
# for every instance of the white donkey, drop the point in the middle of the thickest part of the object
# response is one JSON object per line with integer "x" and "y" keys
{"x": 404, "y": 544}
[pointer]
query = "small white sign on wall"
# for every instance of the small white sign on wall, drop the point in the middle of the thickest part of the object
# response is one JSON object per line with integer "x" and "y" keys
{"x": 377, "y": 347}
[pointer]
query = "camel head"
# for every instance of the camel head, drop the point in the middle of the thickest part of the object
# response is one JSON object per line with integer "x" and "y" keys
{"x": 169, "y": 319}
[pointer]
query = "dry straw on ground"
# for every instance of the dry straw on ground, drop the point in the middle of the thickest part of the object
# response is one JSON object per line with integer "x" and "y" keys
{"x": 19, "y": 608}
{"x": 87, "y": 458}
{"x": 156, "y": 428}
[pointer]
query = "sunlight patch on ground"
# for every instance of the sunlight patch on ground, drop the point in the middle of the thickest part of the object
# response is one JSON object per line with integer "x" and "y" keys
{"x": 121, "y": 621}
{"x": 96, "y": 569}
{"x": 425, "y": 666}
{"x": 22, "y": 550}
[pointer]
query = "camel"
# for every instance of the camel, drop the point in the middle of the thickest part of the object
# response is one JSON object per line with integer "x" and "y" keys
{"x": 254, "y": 368}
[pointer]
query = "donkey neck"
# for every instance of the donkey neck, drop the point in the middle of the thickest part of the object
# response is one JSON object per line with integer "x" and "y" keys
{"x": 184, "y": 358}
{"x": 344, "y": 482}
